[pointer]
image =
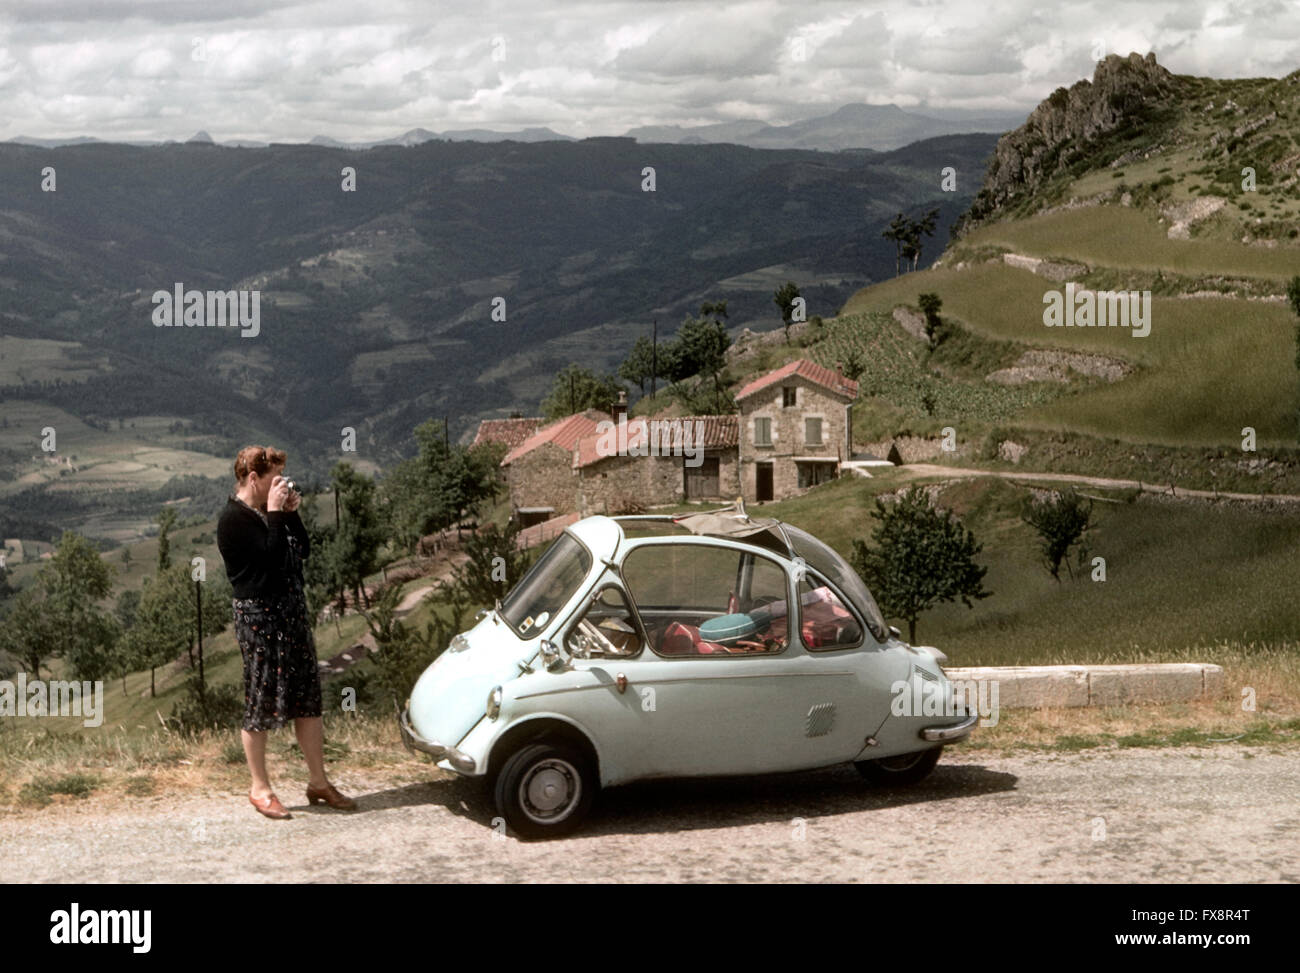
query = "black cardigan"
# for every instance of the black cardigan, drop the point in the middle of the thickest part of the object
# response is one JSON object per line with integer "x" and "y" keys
{"x": 257, "y": 555}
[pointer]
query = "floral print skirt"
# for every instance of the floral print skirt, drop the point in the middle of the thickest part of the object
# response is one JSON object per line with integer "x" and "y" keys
{"x": 281, "y": 677}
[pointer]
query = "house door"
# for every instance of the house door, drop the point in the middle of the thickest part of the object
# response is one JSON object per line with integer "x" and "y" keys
{"x": 762, "y": 481}
{"x": 702, "y": 481}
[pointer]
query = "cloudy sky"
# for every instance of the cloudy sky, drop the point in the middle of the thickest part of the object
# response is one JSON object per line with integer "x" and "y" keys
{"x": 285, "y": 70}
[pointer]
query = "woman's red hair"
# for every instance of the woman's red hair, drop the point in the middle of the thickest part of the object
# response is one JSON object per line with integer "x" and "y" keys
{"x": 258, "y": 459}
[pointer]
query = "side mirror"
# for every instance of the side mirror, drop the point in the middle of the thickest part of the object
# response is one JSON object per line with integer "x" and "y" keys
{"x": 552, "y": 657}
{"x": 895, "y": 632}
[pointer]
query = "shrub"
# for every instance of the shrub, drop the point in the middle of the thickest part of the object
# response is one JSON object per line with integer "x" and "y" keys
{"x": 1061, "y": 523}
{"x": 215, "y": 707}
{"x": 39, "y": 792}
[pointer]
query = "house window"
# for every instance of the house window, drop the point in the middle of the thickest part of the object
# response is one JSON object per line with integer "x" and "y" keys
{"x": 788, "y": 395}
{"x": 815, "y": 474}
{"x": 762, "y": 432}
{"x": 812, "y": 432}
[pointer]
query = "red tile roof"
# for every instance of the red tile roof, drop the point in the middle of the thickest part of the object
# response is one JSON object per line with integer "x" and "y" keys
{"x": 714, "y": 432}
{"x": 563, "y": 433}
{"x": 511, "y": 432}
{"x": 828, "y": 378}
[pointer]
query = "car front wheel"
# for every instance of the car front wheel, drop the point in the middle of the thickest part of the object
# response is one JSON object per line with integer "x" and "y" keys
{"x": 545, "y": 790}
{"x": 905, "y": 768}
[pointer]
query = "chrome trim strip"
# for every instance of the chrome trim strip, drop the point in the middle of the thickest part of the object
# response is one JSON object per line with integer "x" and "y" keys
{"x": 949, "y": 734}
{"x": 661, "y": 682}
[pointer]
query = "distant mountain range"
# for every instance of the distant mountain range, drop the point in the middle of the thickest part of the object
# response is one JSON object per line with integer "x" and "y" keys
{"x": 881, "y": 128}
{"x": 376, "y": 305}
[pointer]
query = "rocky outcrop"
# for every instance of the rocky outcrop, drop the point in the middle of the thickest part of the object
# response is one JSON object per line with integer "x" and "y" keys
{"x": 912, "y": 322}
{"x": 1122, "y": 91}
{"x": 1057, "y": 270}
{"x": 1182, "y": 216}
{"x": 1044, "y": 365}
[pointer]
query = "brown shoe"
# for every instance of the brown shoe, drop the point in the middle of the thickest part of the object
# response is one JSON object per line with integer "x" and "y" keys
{"x": 271, "y": 807}
{"x": 330, "y": 795}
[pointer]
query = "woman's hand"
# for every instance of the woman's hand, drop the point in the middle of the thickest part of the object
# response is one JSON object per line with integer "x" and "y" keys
{"x": 291, "y": 504}
{"x": 279, "y": 495}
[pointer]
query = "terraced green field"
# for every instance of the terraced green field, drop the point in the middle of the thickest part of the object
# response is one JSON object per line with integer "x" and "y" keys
{"x": 1118, "y": 236}
{"x": 898, "y": 372}
{"x": 1209, "y": 367}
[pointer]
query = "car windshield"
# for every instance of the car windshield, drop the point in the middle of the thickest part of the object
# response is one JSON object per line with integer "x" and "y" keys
{"x": 830, "y": 565}
{"x": 546, "y": 587}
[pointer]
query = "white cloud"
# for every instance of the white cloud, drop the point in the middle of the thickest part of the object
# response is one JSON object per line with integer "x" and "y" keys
{"x": 292, "y": 69}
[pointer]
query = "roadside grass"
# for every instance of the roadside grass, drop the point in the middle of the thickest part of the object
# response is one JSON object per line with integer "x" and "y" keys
{"x": 40, "y": 791}
{"x": 42, "y": 767}
{"x": 1202, "y": 723}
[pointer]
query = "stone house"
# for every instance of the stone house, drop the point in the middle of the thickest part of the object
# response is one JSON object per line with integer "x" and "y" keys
{"x": 650, "y": 462}
{"x": 795, "y": 429}
{"x": 539, "y": 471}
{"x": 595, "y": 462}
{"x": 792, "y": 433}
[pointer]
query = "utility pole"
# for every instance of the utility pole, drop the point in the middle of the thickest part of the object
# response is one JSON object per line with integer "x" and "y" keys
{"x": 198, "y": 604}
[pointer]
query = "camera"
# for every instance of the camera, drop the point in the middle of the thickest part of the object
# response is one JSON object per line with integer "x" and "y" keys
{"x": 288, "y": 481}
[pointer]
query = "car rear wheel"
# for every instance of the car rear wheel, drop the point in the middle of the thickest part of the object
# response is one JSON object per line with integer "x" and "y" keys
{"x": 545, "y": 790}
{"x": 905, "y": 768}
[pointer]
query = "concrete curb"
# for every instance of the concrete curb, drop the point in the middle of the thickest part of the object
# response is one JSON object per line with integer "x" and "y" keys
{"x": 1112, "y": 685}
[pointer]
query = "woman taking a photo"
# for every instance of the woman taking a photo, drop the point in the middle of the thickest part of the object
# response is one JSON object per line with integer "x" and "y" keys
{"x": 263, "y": 542}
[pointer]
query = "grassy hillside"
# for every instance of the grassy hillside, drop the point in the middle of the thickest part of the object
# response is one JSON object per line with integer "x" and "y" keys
{"x": 1124, "y": 236}
{"x": 1209, "y": 367}
{"x": 1149, "y": 198}
{"x": 1181, "y": 578}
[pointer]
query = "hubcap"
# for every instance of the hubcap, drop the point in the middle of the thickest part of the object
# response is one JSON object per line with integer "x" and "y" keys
{"x": 550, "y": 790}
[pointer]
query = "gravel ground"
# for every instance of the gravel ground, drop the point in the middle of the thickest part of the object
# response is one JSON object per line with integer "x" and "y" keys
{"x": 1227, "y": 814}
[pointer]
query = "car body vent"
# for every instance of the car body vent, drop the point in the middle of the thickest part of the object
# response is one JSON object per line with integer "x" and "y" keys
{"x": 820, "y": 720}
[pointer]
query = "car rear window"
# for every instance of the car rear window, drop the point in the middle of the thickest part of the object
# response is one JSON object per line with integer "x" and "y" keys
{"x": 831, "y": 566}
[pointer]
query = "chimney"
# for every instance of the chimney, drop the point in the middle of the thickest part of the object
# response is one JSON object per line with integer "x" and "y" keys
{"x": 620, "y": 407}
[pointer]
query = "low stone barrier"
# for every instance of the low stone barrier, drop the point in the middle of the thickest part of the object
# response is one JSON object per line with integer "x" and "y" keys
{"x": 1026, "y": 687}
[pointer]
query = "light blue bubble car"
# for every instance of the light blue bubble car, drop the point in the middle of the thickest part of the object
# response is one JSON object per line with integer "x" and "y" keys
{"x": 707, "y": 644}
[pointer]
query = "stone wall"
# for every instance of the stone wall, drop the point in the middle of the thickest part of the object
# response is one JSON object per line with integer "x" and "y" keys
{"x": 911, "y": 449}
{"x": 544, "y": 477}
{"x": 619, "y": 484}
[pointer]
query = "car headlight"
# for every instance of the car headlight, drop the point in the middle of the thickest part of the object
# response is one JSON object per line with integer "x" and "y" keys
{"x": 494, "y": 703}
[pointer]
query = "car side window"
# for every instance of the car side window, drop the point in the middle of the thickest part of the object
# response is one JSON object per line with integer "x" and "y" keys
{"x": 825, "y": 622}
{"x": 606, "y": 630}
{"x": 707, "y": 600}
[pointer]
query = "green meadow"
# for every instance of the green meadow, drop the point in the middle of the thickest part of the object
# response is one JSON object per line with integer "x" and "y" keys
{"x": 1121, "y": 236}
{"x": 1208, "y": 368}
{"x": 1182, "y": 579}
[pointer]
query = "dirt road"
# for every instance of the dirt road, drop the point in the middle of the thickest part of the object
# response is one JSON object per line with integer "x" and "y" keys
{"x": 934, "y": 469}
{"x": 1229, "y": 814}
